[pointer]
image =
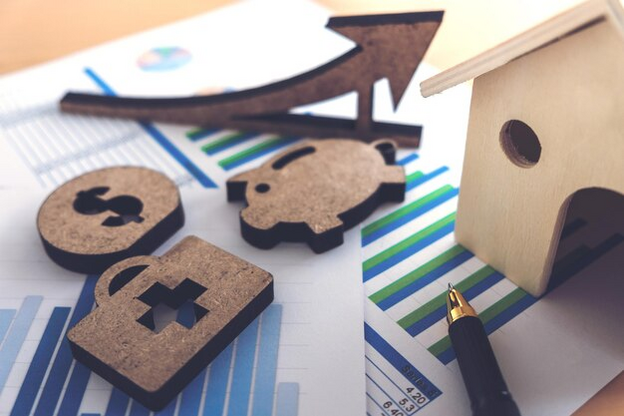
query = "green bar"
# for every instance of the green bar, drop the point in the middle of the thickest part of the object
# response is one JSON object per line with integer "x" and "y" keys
{"x": 413, "y": 176}
{"x": 192, "y": 133}
{"x": 440, "y": 346}
{"x": 416, "y": 274}
{"x": 413, "y": 239}
{"x": 254, "y": 149}
{"x": 440, "y": 300}
{"x": 486, "y": 316}
{"x": 491, "y": 312}
{"x": 223, "y": 141}
{"x": 382, "y": 222}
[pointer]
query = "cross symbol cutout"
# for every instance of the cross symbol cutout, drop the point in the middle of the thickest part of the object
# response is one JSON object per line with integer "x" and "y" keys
{"x": 168, "y": 305}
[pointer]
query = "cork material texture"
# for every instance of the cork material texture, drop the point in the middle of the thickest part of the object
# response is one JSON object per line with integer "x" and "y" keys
{"x": 315, "y": 191}
{"x": 119, "y": 339}
{"x": 387, "y": 46}
{"x": 104, "y": 216}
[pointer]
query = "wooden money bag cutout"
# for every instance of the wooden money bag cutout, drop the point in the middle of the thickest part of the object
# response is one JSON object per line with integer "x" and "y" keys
{"x": 119, "y": 340}
{"x": 315, "y": 191}
{"x": 104, "y": 216}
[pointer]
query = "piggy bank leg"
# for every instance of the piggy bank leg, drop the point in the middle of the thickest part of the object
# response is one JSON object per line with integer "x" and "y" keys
{"x": 325, "y": 234}
{"x": 259, "y": 228}
{"x": 393, "y": 184}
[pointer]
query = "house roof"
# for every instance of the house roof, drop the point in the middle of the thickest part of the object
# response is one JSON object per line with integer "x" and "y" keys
{"x": 551, "y": 30}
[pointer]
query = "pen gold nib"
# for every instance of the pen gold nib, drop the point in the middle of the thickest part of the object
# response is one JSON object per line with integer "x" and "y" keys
{"x": 457, "y": 306}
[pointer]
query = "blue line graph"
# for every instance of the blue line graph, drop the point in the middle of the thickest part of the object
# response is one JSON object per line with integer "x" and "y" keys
{"x": 159, "y": 137}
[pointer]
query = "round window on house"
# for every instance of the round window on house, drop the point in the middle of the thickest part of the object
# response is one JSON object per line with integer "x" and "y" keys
{"x": 520, "y": 143}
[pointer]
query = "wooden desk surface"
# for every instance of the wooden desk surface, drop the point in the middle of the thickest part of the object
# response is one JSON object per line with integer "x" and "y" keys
{"x": 34, "y": 31}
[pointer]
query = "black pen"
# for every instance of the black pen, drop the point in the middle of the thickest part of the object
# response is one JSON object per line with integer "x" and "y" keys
{"x": 483, "y": 379}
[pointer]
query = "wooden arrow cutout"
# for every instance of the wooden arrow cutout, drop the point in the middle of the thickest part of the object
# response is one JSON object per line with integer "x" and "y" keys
{"x": 387, "y": 46}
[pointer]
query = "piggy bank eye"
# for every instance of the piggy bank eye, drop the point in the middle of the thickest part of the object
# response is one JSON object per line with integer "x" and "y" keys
{"x": 262, "y": 188}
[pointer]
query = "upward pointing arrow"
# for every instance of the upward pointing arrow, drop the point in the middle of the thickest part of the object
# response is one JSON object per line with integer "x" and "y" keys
{"x": 388, "y": 46}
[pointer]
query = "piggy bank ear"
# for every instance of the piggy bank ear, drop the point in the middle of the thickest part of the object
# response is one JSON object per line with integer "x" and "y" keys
{"x": 237, "y": 185}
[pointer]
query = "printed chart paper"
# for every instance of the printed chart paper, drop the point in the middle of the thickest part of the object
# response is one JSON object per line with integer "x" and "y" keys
{"x": 405, "y": 254}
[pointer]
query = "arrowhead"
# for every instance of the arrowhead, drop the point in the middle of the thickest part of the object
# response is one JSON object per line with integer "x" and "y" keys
{"x": 393, "y": 44}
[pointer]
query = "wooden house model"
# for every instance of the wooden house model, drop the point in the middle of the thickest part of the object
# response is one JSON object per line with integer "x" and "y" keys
{"x": 546, "y": 121}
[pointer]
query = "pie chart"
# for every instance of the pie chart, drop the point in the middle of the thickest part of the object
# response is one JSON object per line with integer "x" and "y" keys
{"x": 164, "y": 59}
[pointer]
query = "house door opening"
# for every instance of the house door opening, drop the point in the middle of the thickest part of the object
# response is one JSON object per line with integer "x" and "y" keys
{"x": 593, "y": 228}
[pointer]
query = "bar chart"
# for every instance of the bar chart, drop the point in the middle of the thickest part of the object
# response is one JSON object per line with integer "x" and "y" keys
{"x": 241, "y": 380}
{"x": 237, "y": 149}
{"x": 410, "y": 255}
{"x": 57, "y": 147}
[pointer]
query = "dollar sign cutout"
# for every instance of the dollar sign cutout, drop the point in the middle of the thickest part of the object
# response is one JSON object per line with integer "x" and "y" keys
{"x": 126, "y": 207}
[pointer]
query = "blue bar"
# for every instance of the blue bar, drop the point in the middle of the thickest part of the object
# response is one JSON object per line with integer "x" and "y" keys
{"x": 6, "y": 317}
{"x": 447, "y": 356}
{"x": 160, "y": 138}
{"x": 440, "y": 313}
{"x": 287, "y": 399}
{"x": 171, "y": 407}
{"x": 75, "y": 390}
{"x": 243, "y": 370}
{"x": 286, "y": 142}
{"x": 400, "y": 363}
{"x": 425, "y": 280}
{"x": 17, "y": 335}
{"x": 264, "y": 387}
{"x": 62, "y": 363}
{"x": 217, "y": 383}
{"x": 409, "y": 251}
{"x": 192, "y": 394}
{"x": 117, "y": 404}
{"x": 40, "y": 362}
{"x": 407, "y": 159}
{"x": 509, "y": 313}
{"x": 419, "y": 181}
{"x": 399, "y": 222}
{"x": 138, "y": 409}
{"x": 203, "y": 133}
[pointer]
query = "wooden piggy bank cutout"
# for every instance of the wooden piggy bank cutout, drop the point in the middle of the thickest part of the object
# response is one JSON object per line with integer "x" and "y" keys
{"x": 119, "y": 339}
{"x": 315, "y": 191}
{"x": 102, "y": 217}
